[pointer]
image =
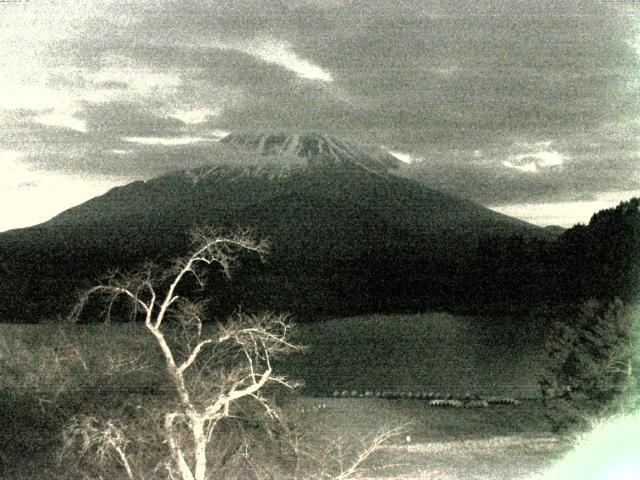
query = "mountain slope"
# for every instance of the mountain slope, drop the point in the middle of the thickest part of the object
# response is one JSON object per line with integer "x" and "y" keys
{"x": 348, "y": 235}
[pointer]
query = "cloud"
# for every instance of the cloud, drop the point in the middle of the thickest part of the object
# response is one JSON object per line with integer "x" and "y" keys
{"x": 406, "y": 157}
{"x": 529, "y": 167}
{"x": 545, "y": 159}
{"x": 130, "y": 119}
{"x": 566, "y": 213}
{"x": 121, "y": 78}
{"x": 408, "y": 76}
{"x": 167, "y": 141}
{"x": 281, "y": 54}
{"x": 195, "y": 116}
{"x": 120, "y": 93}
{"x": 569, "y": 167}
{"x": 58, "y": 119}
{"x": 477, "y": 89}
{"x": 533, "y": 162}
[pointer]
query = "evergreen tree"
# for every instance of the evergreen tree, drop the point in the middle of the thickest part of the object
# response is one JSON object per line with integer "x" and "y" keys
{"x": 592, "y": 358}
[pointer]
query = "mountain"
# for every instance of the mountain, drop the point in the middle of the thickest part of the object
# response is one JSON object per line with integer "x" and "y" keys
{"x": 348, "y": 235}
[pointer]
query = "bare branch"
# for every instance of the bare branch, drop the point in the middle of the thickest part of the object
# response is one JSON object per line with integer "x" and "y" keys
{"x": 211, "y": 250}
{"x": 373, "y": 446}
{"x": 237, "y": 392}
{"x": 109, "y": 289}
{"x": 176, "y": 451}
{"x": 194, "y": 354}
{"x": 250, "y": 341}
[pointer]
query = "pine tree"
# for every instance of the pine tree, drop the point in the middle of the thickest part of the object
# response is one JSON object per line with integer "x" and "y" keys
{"x": 592, "y": 357}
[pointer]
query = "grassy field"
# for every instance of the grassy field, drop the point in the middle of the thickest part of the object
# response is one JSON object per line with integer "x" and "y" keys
{"x": 436, "y": 352}
{"x": 48, "y": 373}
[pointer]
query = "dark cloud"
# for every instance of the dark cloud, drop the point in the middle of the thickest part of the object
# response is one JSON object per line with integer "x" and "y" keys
{"x": 112, "y": 84}
{"x": 442, "y": 80}
{"x": 24, "y": 134}
{"x": 592, "y": 162}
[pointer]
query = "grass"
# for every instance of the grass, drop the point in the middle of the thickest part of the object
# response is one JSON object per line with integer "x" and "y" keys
{"x": 499, "y": 442}
{"x": 435, "y": 352}
{"x": 49, "y": 373}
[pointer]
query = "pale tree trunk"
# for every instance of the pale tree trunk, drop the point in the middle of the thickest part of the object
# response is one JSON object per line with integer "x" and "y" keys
{"x": 199, "y": 446}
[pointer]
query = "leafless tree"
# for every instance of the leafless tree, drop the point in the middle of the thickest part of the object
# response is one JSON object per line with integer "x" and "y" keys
{"x": 176, "y": 324}
{"x": 211, "y": 368}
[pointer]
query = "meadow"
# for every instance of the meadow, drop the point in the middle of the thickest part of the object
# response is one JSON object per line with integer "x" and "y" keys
{"x": 437, "y": 353}
{"x": 498, "y": 442}
{"x": 50, "y": 372}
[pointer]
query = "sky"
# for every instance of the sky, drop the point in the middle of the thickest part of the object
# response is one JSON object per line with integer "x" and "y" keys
{"x": 531, "y": 108}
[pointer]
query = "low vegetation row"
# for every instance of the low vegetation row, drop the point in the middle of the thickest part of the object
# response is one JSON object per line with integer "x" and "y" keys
{"x": 435, "y": 399}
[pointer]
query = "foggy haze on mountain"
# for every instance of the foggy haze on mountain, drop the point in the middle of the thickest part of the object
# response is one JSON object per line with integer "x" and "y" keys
{"x": 528, "y": 107}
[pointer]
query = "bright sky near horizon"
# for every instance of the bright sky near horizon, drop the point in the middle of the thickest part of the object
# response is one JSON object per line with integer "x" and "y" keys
{"x": 531, "y": 108}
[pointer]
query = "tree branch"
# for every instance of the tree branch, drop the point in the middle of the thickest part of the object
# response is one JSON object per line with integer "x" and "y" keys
{"x": 176, "y": 451}
{"x": 375, "y": 445}
{"x": 194, "y": 354}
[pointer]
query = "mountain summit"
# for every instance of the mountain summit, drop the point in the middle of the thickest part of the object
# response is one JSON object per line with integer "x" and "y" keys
{"x": 318, "y": 151}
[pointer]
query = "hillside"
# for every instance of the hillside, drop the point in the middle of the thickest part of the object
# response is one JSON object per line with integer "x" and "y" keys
{"x": 348, "y": 235}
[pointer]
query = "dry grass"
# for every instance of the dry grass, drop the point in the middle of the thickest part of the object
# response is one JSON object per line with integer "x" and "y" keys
{"x": 491, "y": 458}
{"x": 498, "y": 442}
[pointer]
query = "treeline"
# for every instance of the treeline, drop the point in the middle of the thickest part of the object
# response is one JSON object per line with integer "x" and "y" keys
{"x": 380, "y": 272}
{"x": 600, "y": 260}
{"x": 515, "y": 274}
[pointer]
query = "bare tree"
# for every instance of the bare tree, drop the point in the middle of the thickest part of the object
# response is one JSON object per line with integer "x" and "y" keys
{"x": 240, "y": 350}
{"x": 345, "y": 459}
{"x": 212, "y": 369}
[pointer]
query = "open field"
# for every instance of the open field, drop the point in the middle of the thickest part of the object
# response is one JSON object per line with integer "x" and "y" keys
{"x": 49, "y": 373}
{"x": 499, "y": 442}
{"x": 435, "y": 352}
